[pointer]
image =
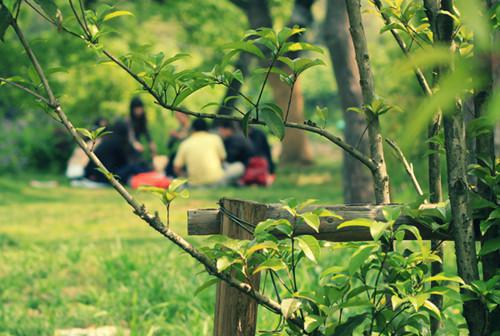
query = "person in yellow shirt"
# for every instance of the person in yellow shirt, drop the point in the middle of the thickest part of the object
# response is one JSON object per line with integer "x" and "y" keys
{"x": 202, "y": 156}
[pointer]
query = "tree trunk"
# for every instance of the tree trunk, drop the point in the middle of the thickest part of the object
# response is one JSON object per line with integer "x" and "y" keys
{"x": 434, "y": 168}
{"x": 462, "y": 224}
{"x": 357, "y": 180}
{"x": 380, "y": 177}
{"x": 296, "y": 148}
{"x": 485, "y": 151}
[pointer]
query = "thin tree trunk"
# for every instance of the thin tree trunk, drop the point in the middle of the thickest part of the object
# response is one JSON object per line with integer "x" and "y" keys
{"x": 381, "y": 179}
{"x": 434, "y": 167}
{"x": 485, "y": 151}
{"x": 462, "y": 224}
{"x": 358, "y": 187}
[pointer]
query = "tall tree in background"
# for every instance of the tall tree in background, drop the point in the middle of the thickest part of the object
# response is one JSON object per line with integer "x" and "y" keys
{"x": 356, "y": 177}
{"x": 296, "y": 147}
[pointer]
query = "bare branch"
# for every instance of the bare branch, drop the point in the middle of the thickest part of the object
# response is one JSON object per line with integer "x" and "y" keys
{"x": 407, "y": 165}
{"x": 27, "y": 90}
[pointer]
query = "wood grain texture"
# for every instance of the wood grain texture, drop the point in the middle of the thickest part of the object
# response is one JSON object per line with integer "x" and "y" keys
{"x": 207, "y": 221}
{"x": 235, "y": 312}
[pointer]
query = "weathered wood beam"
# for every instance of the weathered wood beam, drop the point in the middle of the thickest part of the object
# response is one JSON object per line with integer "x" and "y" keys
{"x": 207, "y": 221}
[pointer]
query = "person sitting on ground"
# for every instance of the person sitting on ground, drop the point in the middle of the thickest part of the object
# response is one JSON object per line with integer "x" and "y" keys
{"x": 176, "y": 137}
{"x": 238, "y": 147}
{"x": 202, "y": 155}
{"x": 113, "y": 151}
{"x": 261, "y": 146}
{"x": 75, "y": 168}
{"x": 138, "y": 129}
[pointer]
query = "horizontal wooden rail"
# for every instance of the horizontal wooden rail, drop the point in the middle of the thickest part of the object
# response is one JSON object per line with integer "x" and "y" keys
{"x": 208, "y": 221}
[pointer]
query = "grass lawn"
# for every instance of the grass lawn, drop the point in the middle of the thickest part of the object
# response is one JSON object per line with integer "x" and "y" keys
{"x": 80, "y": 258}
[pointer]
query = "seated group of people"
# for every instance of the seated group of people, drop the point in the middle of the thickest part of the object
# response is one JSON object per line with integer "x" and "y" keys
{"x": 219, "y": 156}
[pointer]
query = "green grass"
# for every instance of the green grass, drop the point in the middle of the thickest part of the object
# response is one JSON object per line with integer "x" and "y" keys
{"x": 79, "y": 258}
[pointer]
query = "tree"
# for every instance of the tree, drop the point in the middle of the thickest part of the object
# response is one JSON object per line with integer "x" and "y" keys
{"x": 296, "y": 148}
{"x": 356, "y": 185}
{"x": 398, "y": 277}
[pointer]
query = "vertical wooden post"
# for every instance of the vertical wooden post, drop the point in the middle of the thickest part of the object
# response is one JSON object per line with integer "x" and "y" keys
{"x": 236, "y": 313}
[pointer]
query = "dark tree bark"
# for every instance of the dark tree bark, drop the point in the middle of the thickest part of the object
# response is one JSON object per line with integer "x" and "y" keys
{"x": 357, "y": 179}
{"x": 434, "y": 166}
{"x": 462, "y": 224}
{"x": 380, "y": 176}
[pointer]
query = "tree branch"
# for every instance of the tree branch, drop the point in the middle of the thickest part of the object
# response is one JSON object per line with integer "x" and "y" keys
{"x": 407, "y": 165}
{"x": 139, "y": 209}
{"x": 424, "y": 84}
{"x": 313, "y": 129}
{"x": 25, "y": 89}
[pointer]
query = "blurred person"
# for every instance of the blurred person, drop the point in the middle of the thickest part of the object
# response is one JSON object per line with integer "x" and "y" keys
{"x": 113, "y": 151}
{"x": 238, "y": 147}
{"x": 138, "y": 129}
{"x": 175, "y": 139}
{"x": 202, "y": 155}
{"x": 75, "y": 168}
{"x": 261, "y": 146}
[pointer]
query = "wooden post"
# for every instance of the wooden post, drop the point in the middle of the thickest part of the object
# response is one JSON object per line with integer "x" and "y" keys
{"x": 235, "y": 312}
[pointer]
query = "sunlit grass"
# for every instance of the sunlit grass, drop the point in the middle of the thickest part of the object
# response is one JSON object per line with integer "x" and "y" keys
{"x": 78, "y": 258}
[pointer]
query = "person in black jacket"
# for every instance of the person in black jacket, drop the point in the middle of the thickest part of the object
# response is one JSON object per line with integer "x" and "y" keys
{"x": 138, "y": 129}
{"x": 238, "y": 147}
{"x": 113, "y": 151}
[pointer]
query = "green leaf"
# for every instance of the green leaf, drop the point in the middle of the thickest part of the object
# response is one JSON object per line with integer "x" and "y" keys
{"x": 270, "y": 264}
{"x": 377, "y": 229}
{"x": 245, "y": 122}
{"x": 269, "y": 225}
{"x": 364, "y": 222}
{"x": 224, "y": 262}
{"x": 431, "y": 307}
{"x": 238, "y": 75}
{"x": 85, "y": 132}
{"x": 48, "y": 6}
{"x": 300, "y": 46}
{"x": 288, "y": 32}
{"x": 153, "y": 190}
{"x": 9, "y": 5}
{"x": 321, "y": 114}
{"x": 359, "y": 257}
{"x": 176, "y": 184}
{"x": 5, "y": 18}
{"x": 444, "y": 277}
{"x": 322, "y": 212}
{"x": 311, "y": 219}
{"x": 247, "y": 46}
{"x": 205, "y": 285}
{"x": 289, "y": 307}
{"x": 490, "y": 246}
{"x": 269, "y": 245}
{"x": 116, "y": 14}
{"x": 347, "y": 328}
{"x": 312, "y": 322}
{"x": 273, "y": 117}
{"x": 302, "y": 64}
{"x": 310, "y": 246}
